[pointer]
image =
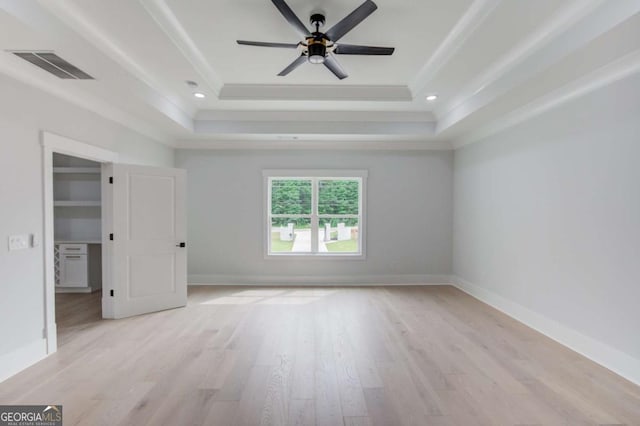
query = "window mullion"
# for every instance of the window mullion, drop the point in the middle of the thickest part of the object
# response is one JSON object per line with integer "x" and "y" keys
{"x": 269, "y": 218}
{"x": 314, "y": 215}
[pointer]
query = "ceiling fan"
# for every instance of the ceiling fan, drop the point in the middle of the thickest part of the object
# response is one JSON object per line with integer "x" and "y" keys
{"x": 321, "y": 48}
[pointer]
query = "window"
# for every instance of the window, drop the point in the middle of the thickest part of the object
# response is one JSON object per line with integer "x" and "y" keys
{"x": 315, "y": 213}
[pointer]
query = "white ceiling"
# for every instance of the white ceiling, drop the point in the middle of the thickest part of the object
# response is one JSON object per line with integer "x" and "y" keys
{"x": 215, "y": 25}
{"x": 492, "y": 63}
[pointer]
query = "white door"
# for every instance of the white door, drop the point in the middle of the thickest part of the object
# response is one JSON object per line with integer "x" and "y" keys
{"x": 147, "y": 257}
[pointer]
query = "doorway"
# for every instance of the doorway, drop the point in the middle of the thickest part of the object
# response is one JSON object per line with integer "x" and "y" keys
{"x": 77, "y": 229}
{"x": 73, "y": 231}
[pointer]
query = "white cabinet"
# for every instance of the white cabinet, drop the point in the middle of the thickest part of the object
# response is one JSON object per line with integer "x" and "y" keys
{"x": 74, "y": 265}
{"x": 78, "y": 267}
{"x": 74, "y": 270}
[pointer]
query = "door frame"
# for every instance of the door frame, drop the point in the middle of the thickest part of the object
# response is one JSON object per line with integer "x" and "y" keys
{"x": 52, "y": 143}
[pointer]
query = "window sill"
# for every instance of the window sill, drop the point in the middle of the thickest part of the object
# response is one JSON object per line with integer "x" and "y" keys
{"x": 315, "y": 256}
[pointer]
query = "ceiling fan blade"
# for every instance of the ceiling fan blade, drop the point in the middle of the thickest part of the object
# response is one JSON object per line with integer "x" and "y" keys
{"x": 331, "y": 63}
{"x": 352, "y": 49}
{"x": 291, "y": 17}
{"x": 267, "y": 44}
{"x": 350, "y": 21}
{"x": 295, "y": 64}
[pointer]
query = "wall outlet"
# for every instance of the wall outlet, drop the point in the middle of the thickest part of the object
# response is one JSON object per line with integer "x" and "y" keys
{"x": 18, "y": 242}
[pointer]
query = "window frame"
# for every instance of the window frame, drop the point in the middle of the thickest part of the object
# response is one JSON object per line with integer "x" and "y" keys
{"x": 314, "y": 176}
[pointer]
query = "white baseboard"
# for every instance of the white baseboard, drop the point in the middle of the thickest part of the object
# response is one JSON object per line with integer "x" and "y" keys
{"x": 289, "y": 280}
{"x": 609, "y": 357}
{"x": 75, "y": 289}
{"x": 21, "y": 358}
{"x": 52, "y": 338}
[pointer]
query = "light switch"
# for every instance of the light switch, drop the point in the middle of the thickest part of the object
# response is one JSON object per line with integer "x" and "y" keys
{"x": 18, "y": 242}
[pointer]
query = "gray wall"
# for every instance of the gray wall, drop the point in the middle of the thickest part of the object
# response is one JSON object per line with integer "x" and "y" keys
{"x": 409, "y": 215}
{"x": 547, "y": 215}
{"x": 24, "y": 112}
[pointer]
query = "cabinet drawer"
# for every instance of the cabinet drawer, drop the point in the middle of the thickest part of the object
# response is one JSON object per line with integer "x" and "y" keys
{"x": 74, "y": 271}
{"x": 73, "y": 249}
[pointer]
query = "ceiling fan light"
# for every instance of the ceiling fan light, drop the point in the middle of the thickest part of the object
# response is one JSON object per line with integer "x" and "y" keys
{"x": 317, "y": 53}
{"x": 316, "y": 59}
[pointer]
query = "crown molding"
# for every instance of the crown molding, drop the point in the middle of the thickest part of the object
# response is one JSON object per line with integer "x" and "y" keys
{"x": 297, "y": 115}
{"x": 562, "y": 20}
{"x": 154, "y": 94}
{"x": 610, "y": 73}
{"x": 313, "y": 127}
{"x": 464, "y": 28}
{"x": 171, "y": 26}
{"x": 574, "y": 26}
{"x": 333, "y": 145}
{"x": 14, "y": 68}
{"x": 282, "y": 92}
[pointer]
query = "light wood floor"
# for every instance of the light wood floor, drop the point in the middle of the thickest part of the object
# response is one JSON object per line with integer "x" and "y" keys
{"x": 325, "y": 356}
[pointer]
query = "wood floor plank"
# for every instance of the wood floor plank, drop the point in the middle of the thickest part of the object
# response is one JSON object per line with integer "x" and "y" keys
{"x": 303, "y": 381}
{"x": 302, "y": 412}
{"x": 380, "y": 408}
{"x": 222, "y": 413}
{"x": 349, "y": 386}
{"x": 276, "y": 407}
{"x": 357, "y": 421}
{"x": 326, "y": 392}
{"x": 254, "y": 394}
{"x": 389, "y": 356}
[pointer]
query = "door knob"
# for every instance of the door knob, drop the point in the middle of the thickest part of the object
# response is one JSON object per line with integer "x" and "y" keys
{"x": 181, "y": 245}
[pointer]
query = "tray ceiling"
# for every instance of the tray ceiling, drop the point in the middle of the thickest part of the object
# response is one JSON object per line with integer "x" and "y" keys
{"x": 484, "y": 59}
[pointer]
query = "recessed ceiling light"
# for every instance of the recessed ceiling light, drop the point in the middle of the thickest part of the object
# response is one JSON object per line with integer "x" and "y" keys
{"x": 199, "y": 95}
{"x": 432, "y": 98}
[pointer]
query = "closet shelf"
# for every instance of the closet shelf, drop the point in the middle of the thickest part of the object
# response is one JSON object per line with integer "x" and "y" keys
{"x": 91, "y": 170}
{"x": 76, "y": 241}
{"x": 60, "y": 203}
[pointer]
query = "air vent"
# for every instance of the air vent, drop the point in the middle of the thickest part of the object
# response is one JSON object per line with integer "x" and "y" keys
{"x": 54, "y": 64}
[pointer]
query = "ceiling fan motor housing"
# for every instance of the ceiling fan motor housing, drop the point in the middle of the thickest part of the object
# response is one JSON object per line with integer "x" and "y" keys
{"x": 317, "y": 48}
